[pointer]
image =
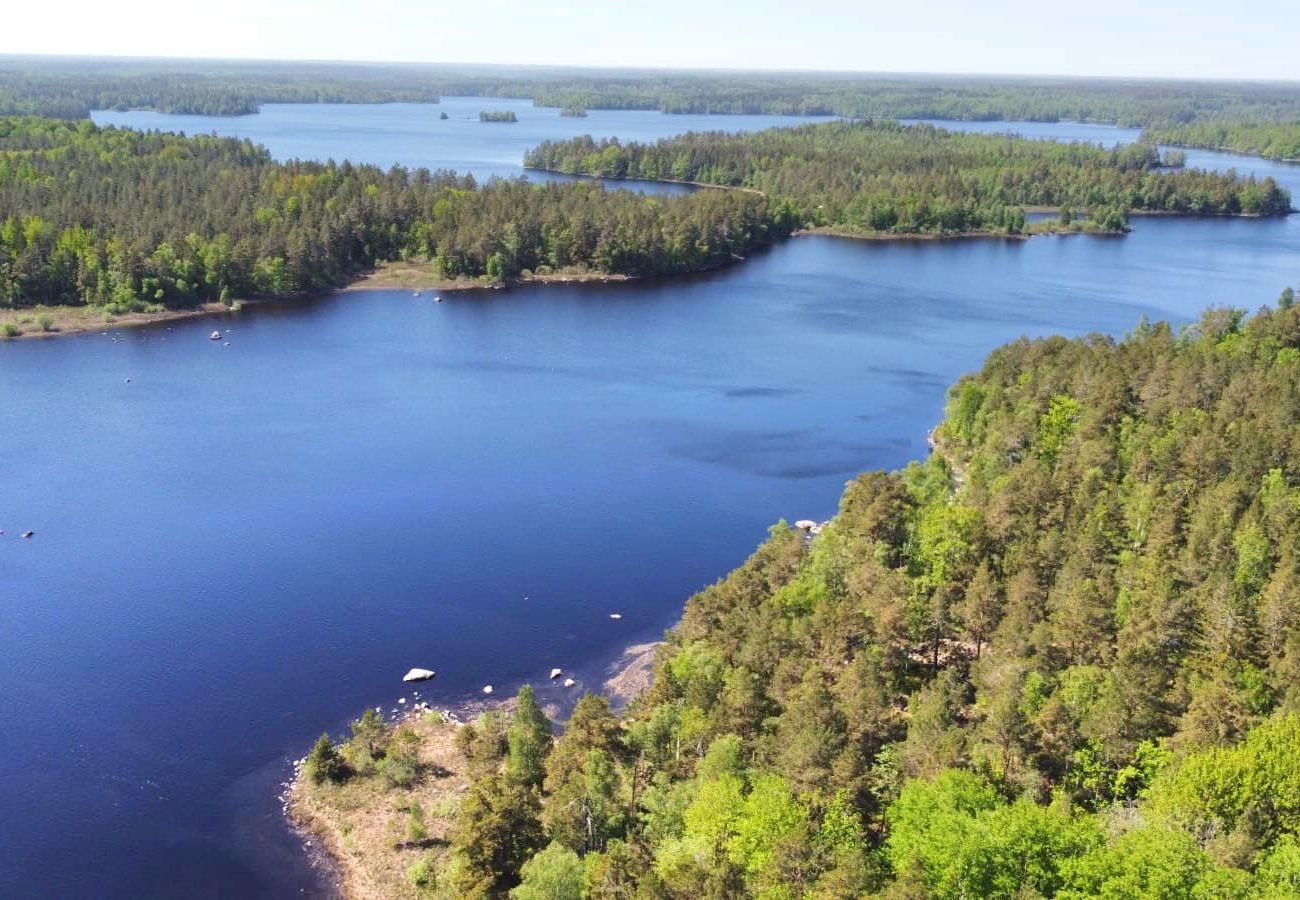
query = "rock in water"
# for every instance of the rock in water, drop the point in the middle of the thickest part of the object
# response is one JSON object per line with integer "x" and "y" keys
{"x": 418, "y": 675}
{"x": 487, "y": 688}
{"x": 805, "y": 524}
{"x": 216, "y": 335}
{"x": 569, "y": 682}
{"x": 28, "y": 534}
{"x": 556, "y": 673}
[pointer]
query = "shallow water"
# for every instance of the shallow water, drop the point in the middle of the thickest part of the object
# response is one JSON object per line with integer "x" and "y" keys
{"x": 247, "y": 544}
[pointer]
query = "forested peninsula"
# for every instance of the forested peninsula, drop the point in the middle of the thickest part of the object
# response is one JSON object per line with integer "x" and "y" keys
{"x": 1059, "y": 658}
{"x": 883, "y": 177}
{"x": 124, "y": 222}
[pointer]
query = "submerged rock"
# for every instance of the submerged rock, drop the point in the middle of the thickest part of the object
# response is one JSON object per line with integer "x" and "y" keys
{"x": 418, "y": 675}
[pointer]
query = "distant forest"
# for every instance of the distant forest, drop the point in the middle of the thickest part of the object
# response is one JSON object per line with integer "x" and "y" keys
{"x": 70, "y": 88}
{"x": 1275, "y": 140}
{"x": 885, "y": 177}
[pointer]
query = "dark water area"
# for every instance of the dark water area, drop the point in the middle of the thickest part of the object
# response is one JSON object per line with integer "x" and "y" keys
{"x": 245, "y": 545}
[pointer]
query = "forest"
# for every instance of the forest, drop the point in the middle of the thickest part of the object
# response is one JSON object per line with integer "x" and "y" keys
{"x": 881, "y": 176}
{"x": 145, "y": 222}
{"x": 135, "y": 221}
{"x": 1274, "y": 140}
{"x": 71, "y": 88}
{"x": 1059, "y": 658}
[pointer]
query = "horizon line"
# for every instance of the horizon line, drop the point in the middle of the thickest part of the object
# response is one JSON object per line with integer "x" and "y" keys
{"x": 643, "y": 70}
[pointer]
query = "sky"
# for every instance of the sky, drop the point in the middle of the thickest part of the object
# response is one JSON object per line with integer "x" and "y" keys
{"x": 1258, "y": 39}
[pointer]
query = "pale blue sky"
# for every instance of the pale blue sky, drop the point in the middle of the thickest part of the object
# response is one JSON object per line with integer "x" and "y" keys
{"x": 1186, "y": 38}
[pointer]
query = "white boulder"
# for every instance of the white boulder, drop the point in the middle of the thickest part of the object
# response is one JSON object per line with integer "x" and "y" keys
{"x": 418, "y": 675}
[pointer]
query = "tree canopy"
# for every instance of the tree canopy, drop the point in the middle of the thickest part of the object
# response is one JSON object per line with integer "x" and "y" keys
{"x": 880, "y": 176}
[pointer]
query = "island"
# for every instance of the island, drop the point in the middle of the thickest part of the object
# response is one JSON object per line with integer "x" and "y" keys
{"x": 500, "y": 115}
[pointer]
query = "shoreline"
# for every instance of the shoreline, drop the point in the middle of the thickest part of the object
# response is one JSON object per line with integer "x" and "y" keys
{"x": 73, "y": 320}
{"x": 403, "y": 275}
{"x": 347, "y": 831}
{"x": 602, "y": 179}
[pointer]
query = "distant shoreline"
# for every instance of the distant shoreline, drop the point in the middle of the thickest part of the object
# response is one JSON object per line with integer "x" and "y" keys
{"x": 72, "y": 320}
{"x": 399, "y": 275}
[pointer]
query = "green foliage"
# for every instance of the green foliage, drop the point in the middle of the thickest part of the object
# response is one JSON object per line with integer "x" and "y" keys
{"x": 324, "y": 762}
{"x": 1144, "y": 863}
{"x": 423, "y": 873}
{"x": 768, "y": 816}
{"x": 370, "y": 735}
{"x": 496, "y": 833}
{"x": 1276, "y": 140}
{"x": 207, "y": 219}
{"x": 400, "y": 765}
{"x": 529, "y": 740}
{"x": 1278, "y": 875}
{"x": 555, "y": 873}
{"x": 1056, "y": 426}
{"x": 1253, "y": 787}
{"x": 955, "y": 837}
{"x": 416, "y": 830}
{"x": 881, "y": 176}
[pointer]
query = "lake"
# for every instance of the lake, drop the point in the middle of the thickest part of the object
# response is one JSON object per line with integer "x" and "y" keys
{"x": 414, "y": 134}
{"x": 245, "y": 545}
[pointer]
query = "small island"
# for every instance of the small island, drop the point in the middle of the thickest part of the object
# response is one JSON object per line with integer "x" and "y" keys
{"x": 574, "y": 112}
{"x": 500, "y": 115}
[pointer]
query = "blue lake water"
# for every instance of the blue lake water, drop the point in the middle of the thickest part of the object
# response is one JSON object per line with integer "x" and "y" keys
{"x": 244, "y": 545}
{"x": 414, "y": 134}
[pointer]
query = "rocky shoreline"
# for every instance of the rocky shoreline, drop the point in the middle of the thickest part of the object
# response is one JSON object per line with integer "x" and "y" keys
{"x": 347, "y": 830}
